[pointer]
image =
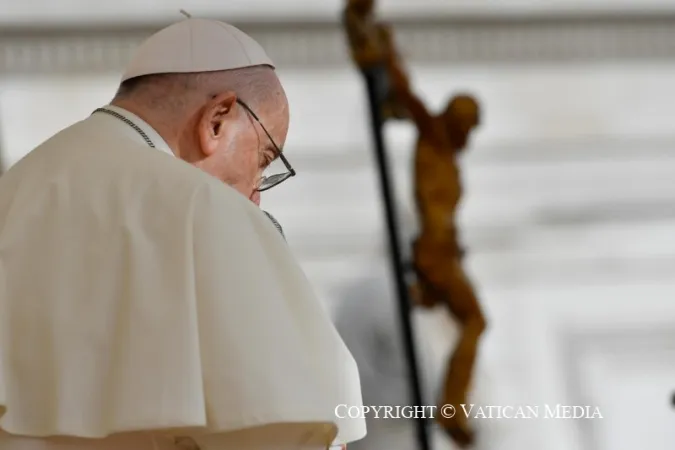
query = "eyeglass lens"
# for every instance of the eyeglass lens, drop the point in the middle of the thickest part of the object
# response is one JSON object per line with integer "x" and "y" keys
{"x": 273, "y": 180}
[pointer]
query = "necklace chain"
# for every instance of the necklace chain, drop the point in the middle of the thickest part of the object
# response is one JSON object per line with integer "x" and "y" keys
{"x": 128, "y": 122}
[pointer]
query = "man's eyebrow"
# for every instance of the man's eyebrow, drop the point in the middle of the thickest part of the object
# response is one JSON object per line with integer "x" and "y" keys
{"x": 275, "y": 149}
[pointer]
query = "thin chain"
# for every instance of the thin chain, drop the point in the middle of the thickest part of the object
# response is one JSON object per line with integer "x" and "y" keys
{"x": 128, "y": 122}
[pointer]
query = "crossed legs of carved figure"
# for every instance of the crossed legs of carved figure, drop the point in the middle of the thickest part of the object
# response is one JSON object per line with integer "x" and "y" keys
{"x": 464, "y": 306}
{"x": 442, "y": 280}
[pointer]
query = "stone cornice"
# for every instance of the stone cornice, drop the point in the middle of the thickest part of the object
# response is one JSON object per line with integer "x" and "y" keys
{"x": 460, "y": 40}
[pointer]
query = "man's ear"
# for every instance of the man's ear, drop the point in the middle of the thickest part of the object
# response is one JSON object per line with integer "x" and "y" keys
{"x": 212, "y": 123}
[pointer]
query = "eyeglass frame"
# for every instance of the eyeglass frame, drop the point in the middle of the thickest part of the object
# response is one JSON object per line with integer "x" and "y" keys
{"x": 284, "y": 176}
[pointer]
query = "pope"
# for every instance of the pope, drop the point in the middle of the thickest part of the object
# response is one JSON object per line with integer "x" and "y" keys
{"x": 146, "y": 302}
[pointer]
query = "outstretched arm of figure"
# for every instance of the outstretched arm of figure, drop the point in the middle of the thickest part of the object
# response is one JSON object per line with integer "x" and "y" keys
{"x": 401, "y": 85}
{"x": 362, "y": 36}
{"x": 354, "y": 26}
{"x": 356, "y": 18}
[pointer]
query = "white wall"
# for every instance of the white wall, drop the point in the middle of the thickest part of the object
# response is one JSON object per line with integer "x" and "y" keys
{"x": 129, "y": 11}
{"x": 568, "y": 219}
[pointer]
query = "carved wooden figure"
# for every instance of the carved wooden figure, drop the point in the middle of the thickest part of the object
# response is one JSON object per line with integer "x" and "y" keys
{"x": 437, "y": 254}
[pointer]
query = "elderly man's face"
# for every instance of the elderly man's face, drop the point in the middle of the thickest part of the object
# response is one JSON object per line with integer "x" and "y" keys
{"x": 237, "y": 148}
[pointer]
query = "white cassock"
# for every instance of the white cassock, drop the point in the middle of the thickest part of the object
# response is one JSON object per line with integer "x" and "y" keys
{"x": 139, "y": 293}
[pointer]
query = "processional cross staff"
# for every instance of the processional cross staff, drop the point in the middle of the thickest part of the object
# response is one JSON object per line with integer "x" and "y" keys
{"x": 367, "y": 44}
{"x": 437, "y": 254}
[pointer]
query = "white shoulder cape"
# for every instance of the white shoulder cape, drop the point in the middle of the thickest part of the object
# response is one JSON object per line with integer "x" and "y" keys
{"x": 138, "y": 293}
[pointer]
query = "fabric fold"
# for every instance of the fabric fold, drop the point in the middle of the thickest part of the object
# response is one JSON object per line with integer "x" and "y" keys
{"x": 119, "y": 315}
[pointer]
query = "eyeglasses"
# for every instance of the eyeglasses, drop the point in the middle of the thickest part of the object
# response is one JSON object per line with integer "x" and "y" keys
{"x": 269, "y": 181}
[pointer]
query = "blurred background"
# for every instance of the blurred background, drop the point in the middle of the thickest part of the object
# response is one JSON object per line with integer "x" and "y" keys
{"x": 569, "y": 211}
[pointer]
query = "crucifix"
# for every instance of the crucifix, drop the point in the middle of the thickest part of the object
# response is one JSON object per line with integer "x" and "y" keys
{"x": 368, "y": 44}
{"x": 437, "y": 252}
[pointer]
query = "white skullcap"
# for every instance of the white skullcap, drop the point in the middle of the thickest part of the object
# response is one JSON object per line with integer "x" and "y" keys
{"x": 196, "y": 45}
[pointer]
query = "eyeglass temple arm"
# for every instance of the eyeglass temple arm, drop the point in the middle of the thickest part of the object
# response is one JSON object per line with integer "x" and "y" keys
{"x": 286, "y": 163}
{"x": 281, "y": 154}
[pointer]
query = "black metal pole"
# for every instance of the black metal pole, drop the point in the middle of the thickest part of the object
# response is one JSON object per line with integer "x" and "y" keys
{"x": 375, "y": 82}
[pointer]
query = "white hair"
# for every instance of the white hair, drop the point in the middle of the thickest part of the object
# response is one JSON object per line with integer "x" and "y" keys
{"x": 176, "y": 92}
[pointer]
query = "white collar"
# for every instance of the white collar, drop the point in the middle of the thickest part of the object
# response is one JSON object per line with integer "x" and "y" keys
{"x": 154, "y": 136}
